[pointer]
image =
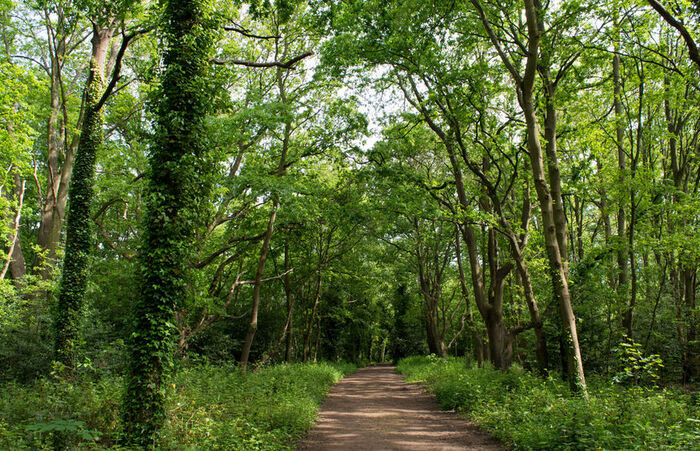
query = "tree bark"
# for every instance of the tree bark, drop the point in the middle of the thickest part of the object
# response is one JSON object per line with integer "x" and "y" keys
{"x": 253, "y": 325}
{"x": 79, "y": 237}
{"x": 178, "y": 183}
{"x": 290, "y": 306}
{"x": 622, "y": 255}
{"x": 317, "y": 297}
{"x": 577, "y": 378}
{"x": 53, "y": 206}
{"x": 557, "y": 200}
{"x": 477, "y": 342}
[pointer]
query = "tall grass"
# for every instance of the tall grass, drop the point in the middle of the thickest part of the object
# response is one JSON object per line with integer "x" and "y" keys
{"x": 209, "y": 407}
{"x": 531, "y": 413}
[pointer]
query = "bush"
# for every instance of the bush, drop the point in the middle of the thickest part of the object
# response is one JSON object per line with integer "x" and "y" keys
{"x": 531, "y": 413}
{"x": 220, "y": 408}
{"x": 209, "y": 408}
{"x": 79, "y": 415}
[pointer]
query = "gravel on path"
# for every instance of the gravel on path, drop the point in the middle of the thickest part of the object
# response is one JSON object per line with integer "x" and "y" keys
{"x": 374, "y": 409}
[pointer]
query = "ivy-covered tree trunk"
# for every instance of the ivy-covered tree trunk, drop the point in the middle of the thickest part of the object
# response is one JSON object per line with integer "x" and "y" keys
{"x": 177, "y": 184}
{"x": 78, "y": 234}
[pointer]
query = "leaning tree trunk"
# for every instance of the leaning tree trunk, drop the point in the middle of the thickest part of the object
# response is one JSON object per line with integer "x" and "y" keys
{"x": 477, "y": 342}
{"x": 78, "y": 234}
{"x": 577, "y": 378}
{"x": 253, "y": 326}
{"x": 535, "y": 316}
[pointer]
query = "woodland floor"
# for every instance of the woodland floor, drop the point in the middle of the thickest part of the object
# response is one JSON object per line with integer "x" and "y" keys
{"x": 374, "y": 409}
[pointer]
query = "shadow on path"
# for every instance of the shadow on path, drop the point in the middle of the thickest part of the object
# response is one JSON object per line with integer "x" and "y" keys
{"x": 374, "y": 409}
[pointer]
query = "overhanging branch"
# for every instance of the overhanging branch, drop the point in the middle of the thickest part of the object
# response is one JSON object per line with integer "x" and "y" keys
{"x": 282, "y": 64}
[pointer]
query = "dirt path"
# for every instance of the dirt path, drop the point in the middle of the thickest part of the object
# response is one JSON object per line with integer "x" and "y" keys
{"x": 373, "y": 409}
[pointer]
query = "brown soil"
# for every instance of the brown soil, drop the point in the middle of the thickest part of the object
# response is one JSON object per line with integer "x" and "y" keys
{"x": 374, "y": 409}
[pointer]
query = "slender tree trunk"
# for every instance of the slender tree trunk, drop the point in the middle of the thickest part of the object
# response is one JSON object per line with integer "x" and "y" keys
{"x": 317, "y": 347}
{"x": 691, "y": 362}
{"x": 477, "y": 342}
{"x": 622, "y": 255}
{"x": 533, "y": 308}
{"x": 15, "y": 263}
{"x": 557, "y": 200}
{"x": 280, "y": 171}
{"x": 577, "y": 378}
{"x": 53, "y": 206}
{"x": 290, "y": 306}
{"x": 430, "y": 287}
{"x": 253, "y": 325}
{"x": 317, "y": 297}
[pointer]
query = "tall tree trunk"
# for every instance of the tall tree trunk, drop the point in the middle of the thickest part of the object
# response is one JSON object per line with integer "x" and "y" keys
{"x": 306, "y": 352}
{"x": 631, "y": 301}
{"x": 557, "y": 200}
{"x": 53, "y": 206}
{"x": 622, "y": 280}
{"x": 279, "y": 171}
{"x": 177, "y": 183}
{"x": 577, "y": 378}
{"x": 691, "y": 361}
{"x": 430, "y": 287}
{"x": 79, "y": 237}
{"x": 525, "y": 83}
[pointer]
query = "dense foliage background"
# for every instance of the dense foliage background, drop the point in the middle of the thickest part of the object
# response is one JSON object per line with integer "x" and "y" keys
{"x": 514, "y": 184}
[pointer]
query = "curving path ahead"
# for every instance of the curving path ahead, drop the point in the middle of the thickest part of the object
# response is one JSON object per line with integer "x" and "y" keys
{"x": 374, "y": 409}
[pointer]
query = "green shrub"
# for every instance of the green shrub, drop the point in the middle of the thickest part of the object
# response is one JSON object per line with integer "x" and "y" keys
{"x": 220, "y": 408}
{"x": 531, "y": 413}
{"x": 209, "y": 407}
{"x": 78, "y": 414}
{"x": 637, "y": 368}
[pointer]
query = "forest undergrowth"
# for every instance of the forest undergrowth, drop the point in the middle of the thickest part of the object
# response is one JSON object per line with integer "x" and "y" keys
{"x": 529, "y": 412}
{"x": 209, "y": 407}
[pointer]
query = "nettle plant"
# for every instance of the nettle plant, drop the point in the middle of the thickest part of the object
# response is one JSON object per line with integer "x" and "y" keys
{"x": 637, "y": 368}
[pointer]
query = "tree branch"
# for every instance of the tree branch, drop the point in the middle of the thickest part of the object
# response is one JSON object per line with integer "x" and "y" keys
{"x": 245, "y": 32}
{"x": 692, "y": 46}
{"x": 284, "y": 65}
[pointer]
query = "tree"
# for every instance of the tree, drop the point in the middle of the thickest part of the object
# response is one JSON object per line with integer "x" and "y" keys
{"x": 177, "y": 182}
{"x": 548, "y": 194}
{"x": 678, "y": 25}
{"x": 80, "y": 194}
